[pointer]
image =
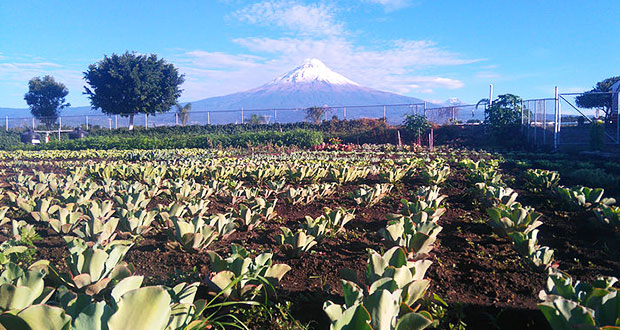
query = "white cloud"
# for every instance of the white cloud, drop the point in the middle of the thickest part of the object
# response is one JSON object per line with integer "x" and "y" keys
{"x": 391, "y": 5}
{"x": 313, "y": 19}
{"x": 393, "y": 68}
{"x": 14, "y": 76}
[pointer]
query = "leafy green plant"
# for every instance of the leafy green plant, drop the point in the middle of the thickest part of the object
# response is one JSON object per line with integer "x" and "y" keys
{"x": 539, "y": 181}
{"x": 415, "y": 238}
{"x": 609, "y": 216}
{"x": 527, "y": 245}
{"x": 580, "y": 305}
{"x": 93, "y": 269}
{"x": 369, "y": 196}
{"x": 492, "y": 196}
{"x": 389, "y": 298}
{"x": 293, "y": 245}
{"x": 513, "y": 218}
{"x": 583, "y": 197}
{"x": 193, "y": 235}
{"x": 255, "y": 274}
{"x": 435, "y": 173}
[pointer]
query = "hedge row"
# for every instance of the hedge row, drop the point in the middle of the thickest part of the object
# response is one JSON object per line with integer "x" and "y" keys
{"x": 299, "y": 137}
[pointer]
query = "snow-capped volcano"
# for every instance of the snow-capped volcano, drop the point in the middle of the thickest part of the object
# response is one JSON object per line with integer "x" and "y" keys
{"x": 312, "y": 71}
{"x": 310, "y": 84}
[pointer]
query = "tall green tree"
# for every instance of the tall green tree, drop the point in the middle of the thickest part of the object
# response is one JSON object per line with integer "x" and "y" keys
{"x": 131, "y": 84}
{"x": 46, "y": 98}
{"x": 593, "y": 99}
{"x": 183, "y": 112}
{"x": 314, "y": 114}
{"x": 257, "y": 119}
{"x": 503, "y": 117}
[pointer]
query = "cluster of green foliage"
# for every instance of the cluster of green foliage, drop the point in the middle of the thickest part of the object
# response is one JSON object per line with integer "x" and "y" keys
{"x": 46, "y": 98}
{"x": 599, "y": 97}
{"x": 417, "y": 124}
{"x": 300, "y": 138}
{"x": 503, "y": 117}
{"x": 129, "y": 83}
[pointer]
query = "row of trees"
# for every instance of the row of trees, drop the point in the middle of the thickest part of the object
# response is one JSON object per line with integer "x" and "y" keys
{"x": 126, "y": 85}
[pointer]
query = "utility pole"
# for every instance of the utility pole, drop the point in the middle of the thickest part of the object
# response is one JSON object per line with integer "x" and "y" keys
{"x": 490, "y": 95}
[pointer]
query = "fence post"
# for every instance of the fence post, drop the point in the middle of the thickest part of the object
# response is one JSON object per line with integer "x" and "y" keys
{"x": 617, "y": 117}
{"x": 556, "y": 128}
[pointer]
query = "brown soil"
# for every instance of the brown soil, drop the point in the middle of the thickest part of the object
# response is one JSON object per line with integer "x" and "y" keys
{"x": 473, "y": 270}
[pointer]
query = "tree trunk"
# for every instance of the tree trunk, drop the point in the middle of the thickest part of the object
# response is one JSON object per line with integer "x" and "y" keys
{"x": 131, "y": 122}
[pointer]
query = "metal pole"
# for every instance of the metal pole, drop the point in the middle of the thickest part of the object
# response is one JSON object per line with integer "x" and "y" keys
{"x": 544, "y": 106}
{"x": 209, "y": 118}
{"x": 33, "y": 123}
{"x": 556, "y": 120}
{"x": 425, "y": 109}
{"x": 6, "y": 123}
{"x": 242, "y": 115}
{"x": 146, "y": 120}
{"x": 59, "y": 127}
{"x": 384, "y": 113}
{"x": 275, "y": 115}
{"x": 522, "y": 119}
{"x": 617, "y": 117}
{"x": 86, "y": 122}
{"x": 490, "y": 95}
{"x": 176, "y": 119}
{"x": 115, "y": 122}
{"x": 345, "y": 113}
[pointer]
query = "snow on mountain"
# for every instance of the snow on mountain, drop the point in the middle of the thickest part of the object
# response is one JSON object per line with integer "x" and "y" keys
{"x": 453, "y": 101}
{"x": 312, "y": 71}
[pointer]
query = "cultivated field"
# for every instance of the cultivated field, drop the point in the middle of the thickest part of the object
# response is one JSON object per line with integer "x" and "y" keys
{"x": 366, "y": 239}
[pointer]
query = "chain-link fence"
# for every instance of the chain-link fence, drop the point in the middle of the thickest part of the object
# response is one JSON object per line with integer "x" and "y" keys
{"x": 392, "y": 113}
{"x": 575, "y": 120}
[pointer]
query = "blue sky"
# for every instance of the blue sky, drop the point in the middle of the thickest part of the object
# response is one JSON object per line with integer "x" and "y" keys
{"x": 433, "y": 50}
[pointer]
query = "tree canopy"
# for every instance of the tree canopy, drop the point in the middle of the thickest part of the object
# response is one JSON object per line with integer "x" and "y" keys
{"x": 46, "y": 98}
{"x": 183, "y": 112}
{"x": 503, "y": 117}
{"x": 598, "y": 97}
{"x": 130, "y": 83}
{"x": 314, "y": 114}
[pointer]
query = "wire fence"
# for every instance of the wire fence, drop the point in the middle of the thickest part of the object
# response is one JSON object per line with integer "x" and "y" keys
{"x": 392, "y": 113}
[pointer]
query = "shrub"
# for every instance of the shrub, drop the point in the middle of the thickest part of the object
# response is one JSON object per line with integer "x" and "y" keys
{"x": 417, "y": 124}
